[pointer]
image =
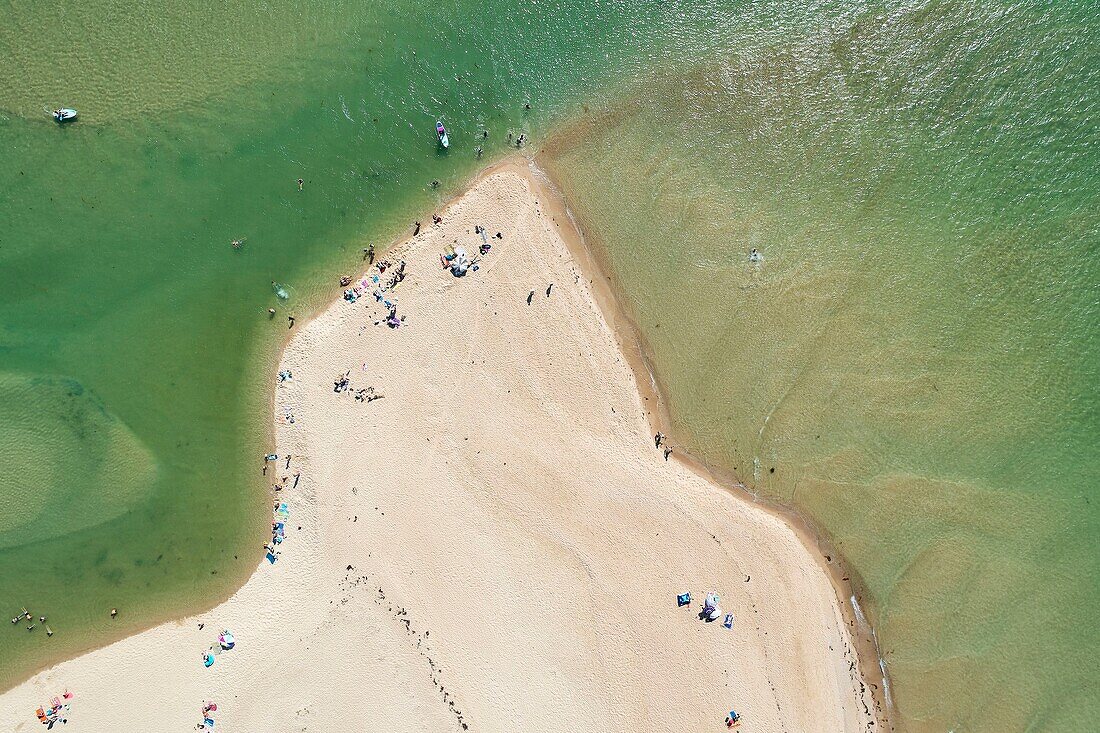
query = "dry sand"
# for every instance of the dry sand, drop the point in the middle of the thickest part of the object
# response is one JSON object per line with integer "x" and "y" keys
{"x": 495, "y": 545}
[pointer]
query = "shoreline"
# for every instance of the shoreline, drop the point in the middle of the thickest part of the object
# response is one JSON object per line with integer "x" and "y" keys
{"x": 627, "y": 338}
{"x": 589, "y": 254}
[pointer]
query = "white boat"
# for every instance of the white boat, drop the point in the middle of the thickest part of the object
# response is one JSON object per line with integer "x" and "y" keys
{"x": 442, "y": 132}
{"x": 65, "y": 114}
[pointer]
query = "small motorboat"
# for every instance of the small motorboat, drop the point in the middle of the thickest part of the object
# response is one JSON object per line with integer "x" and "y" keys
{"x": 65, "y": 114}
{"x": 442, "y": 132}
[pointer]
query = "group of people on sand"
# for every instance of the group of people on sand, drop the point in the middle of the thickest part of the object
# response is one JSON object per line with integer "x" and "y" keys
{"x": 208, "y": 710}
{"x": 342, "y": 383}
{"x": 372, "y": 283}
{"x": 710, "y": 612}
{"x": 56, "y": 712}
{"x": 660, "y": 441}
{"x": 280, "y": 510}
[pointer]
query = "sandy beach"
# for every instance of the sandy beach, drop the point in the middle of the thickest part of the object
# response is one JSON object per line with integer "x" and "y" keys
{"x": 495, "y": 543}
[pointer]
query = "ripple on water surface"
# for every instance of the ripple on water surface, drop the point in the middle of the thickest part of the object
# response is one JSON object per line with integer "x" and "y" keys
{"x": 66, "y": 463}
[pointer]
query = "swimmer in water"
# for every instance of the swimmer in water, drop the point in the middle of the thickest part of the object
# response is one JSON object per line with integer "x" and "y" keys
{"x": 237, "y": 243}
{"x": 755, "y": 256}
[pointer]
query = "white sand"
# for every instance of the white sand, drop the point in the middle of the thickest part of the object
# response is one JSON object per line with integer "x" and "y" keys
{"x": 506, "y": 497}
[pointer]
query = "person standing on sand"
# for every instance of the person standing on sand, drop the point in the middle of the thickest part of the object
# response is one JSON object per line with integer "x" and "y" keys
{"x": 288, "y": 456}
{"x": 548, "y": 289}
{"x": 668, "y": 452}
{"x": 657, "y": 439}
{"x": 297, "y": 475}
{"x": 529, "y": 296}
{"x": 291, "y": 320}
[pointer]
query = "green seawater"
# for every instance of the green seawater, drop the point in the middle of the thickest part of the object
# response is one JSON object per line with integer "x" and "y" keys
{"x": 915, "y": 363}
{"x": 916, "y": 356}
{"x": 136, "y": 353}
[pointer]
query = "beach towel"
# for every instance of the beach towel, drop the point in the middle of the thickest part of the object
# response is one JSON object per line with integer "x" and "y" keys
{"x": 270, "y": 559}
{"x": 728, "y": 622}
{"x": 683, "y": 599}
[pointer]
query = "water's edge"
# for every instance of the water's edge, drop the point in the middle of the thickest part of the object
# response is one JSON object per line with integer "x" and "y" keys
{"x": 586, "y": 250}
{"x": 592, "y": 261}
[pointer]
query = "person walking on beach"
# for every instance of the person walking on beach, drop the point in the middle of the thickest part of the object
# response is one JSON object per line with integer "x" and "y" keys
{"x": 288, "y": 456}
{"x": 668, "y": 452}
{"x": 548, "y": 289}
{"x": 291, "y": 320}
{"x": 657, "y": 439}
{"x": 297, "y": 475}
{"x": 529, "y": 296}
